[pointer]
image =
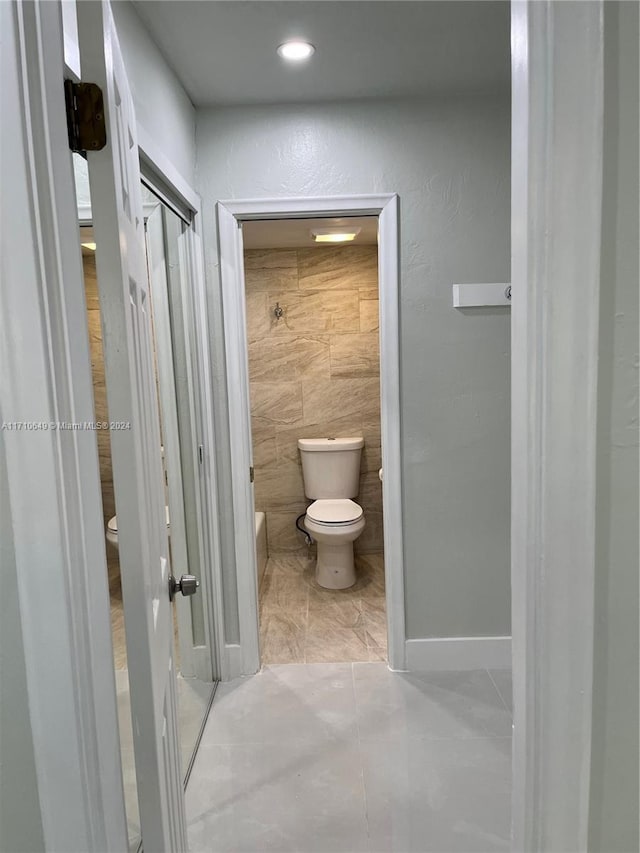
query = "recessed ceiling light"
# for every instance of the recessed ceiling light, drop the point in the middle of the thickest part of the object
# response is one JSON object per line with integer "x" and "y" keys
{"x": 325, "y": 235}
{"x": 91, "y": 246}
{"x": 296, "y": 51}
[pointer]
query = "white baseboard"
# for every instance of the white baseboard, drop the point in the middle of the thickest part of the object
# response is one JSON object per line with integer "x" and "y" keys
{"x": 458, "y": 653}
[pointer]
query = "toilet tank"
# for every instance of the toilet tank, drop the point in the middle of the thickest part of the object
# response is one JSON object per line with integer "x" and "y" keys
{"x": 331, "y": 467}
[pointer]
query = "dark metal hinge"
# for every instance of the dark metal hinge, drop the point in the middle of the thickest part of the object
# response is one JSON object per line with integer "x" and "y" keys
{"x": 252, "y": 474}
{"x": 85, "y": 116}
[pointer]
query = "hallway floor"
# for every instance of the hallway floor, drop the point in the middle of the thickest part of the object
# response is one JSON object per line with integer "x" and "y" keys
{"x": 193, "y": 700}
{"x": 352, "y": 757}
{"x": 300, "y": 622}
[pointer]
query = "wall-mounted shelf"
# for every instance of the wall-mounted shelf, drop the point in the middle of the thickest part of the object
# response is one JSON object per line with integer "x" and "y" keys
{"x": 480, "y": 295}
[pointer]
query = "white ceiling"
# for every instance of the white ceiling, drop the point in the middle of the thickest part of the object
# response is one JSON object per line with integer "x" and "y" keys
{"x": 296, "y": 233}
{"x": 224, "y": 51}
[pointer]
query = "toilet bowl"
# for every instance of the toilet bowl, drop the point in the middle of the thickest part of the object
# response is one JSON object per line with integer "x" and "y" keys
{"x": 335, "y": 525}
{"x": 112, "y": 530}
{"x": 331, "y": 473}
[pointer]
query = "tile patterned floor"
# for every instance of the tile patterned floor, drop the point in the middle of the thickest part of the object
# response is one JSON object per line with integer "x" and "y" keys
{"x": 352, "y": 757}
{"x": 300, "y": 622}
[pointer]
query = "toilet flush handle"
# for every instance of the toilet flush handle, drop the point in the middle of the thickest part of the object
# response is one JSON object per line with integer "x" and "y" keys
{"x": 187, "y": 585}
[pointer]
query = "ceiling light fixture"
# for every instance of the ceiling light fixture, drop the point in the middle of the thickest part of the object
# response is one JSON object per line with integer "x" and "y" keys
{"x": 325, "y": 235}
{"x": 296, "y": 51}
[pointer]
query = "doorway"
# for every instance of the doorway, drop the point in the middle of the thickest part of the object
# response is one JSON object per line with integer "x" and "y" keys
{"x": 381, "y": 578}
{"x": 168, "y": 273}
{"x": 312, "y": 307}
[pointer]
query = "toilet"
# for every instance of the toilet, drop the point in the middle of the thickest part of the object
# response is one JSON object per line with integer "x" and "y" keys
{"x": 331, "y": 473}
{"x": 112, "y": 530}
{"x": 111, "y": 533}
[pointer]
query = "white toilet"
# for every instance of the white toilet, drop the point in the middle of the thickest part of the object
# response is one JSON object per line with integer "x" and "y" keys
{"x": 331, "y": 472}
{"x": 112, "y": 530}
{"x": 112, "y": 525}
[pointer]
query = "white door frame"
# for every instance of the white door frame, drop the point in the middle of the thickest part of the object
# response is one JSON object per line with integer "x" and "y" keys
{"x": 204, "y": 662}
{"x": 53, "y": 482}
{"x": 178, "y": 194}
{"x": 230, "y": 216}
{"x": 557, "y": 142}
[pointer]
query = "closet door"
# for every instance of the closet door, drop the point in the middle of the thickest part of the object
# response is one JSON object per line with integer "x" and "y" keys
{"x": 132, "y": 399}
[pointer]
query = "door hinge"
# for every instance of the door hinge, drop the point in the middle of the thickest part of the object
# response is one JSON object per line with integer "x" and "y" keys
{"x": 201, "y": 454}
{"x": 251, "y": 474}
{"x": 86, "y": 124}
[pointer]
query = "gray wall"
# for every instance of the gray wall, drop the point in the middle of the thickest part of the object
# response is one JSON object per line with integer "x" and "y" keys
{"x": 449, "y": 160}
{"x": 20, "y": 824}
{"x": 162, "y": 106}
{"x": 614, "y": 771}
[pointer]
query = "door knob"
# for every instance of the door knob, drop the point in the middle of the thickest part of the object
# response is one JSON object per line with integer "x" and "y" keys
{"x": 187, "y": 585}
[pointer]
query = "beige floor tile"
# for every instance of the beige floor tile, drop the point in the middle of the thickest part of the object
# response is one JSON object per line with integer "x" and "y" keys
{"x": 284, "y": 591}
{"x": 321, "y": 596}
{"x": 338, "y": 614}
{"x": 370, "y": 575}
{"x": 290, "y": 565}
{"x": 377, "y": 653}
{"x": 375, "y": 622}
{"x": 335, "y": 645}
{"x": 282, "y": 634}
{"x": 301, "y": 621}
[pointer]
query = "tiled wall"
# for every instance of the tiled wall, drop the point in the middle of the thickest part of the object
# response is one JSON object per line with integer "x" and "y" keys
{"x": 314, "y": 373}
{"x": 99, "y": 385}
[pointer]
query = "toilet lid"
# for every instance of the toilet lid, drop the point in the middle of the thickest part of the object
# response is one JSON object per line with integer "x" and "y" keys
{"x": 112, "y": 524}
{"x": 334, "y": 511}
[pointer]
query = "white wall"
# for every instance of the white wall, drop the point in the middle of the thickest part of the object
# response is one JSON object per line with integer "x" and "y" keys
{"x": 614, "y": 771}
{"x": 449, "y": 159}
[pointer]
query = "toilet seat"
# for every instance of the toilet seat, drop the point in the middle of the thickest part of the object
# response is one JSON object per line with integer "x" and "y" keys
{"x": 335, "y": 513}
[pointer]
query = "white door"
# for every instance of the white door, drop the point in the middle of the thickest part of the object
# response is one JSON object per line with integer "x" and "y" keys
{"x": 132, "y": 400}
{"x": 157, "y": 266}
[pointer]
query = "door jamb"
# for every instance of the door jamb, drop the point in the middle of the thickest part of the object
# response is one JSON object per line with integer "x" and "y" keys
{"x": 161, "y": 174}
{"x": 557, "y": 145}
{"x": 53, "y": 474}
{"x": 230, "y": 215}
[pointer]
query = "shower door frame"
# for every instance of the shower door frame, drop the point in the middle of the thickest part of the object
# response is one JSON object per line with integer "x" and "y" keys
{"x": 230, "y": 215}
